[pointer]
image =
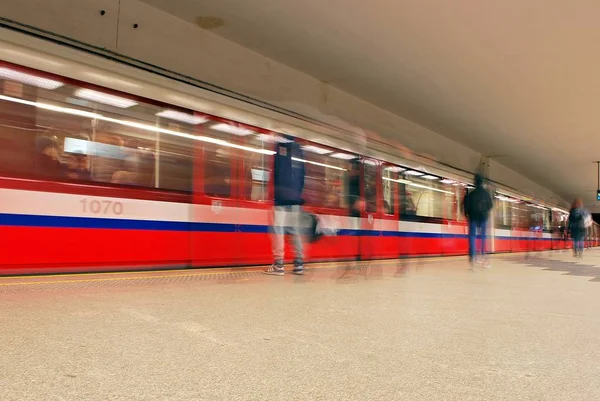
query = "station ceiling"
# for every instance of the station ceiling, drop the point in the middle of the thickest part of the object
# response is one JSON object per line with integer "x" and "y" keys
{"x": 515, "y": 80}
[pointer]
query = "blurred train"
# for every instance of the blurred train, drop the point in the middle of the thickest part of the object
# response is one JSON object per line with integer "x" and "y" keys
{"x": 106, "y": 167}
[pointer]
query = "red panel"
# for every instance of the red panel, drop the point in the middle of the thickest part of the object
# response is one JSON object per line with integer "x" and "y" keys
{"x": 217, "y": 249}
{"x": 503, "y": 245}
{"x": 256, "y": 248}
{"x": 41, "y": 245}
{"x": 345, "y": 247}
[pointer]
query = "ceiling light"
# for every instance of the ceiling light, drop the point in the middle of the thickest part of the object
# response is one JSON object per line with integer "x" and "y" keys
{"x": 28, "y": 79}
{"x": 316, "y": 149}
{"x": 147, "y": 127}
{"x": 412, "y": 184}
{"x": 232, "y": 129}
{"x": 447, "y": 181}
{"x": 394, "y": 169}
{"x": 431, "y": 188}
{"x": 45, "y": 106}
{"x": 105, "y": 98}
{"x": 414, "y": 173}
{"x": 183, "y": 117}
{"x": 319, "y": 164}
{"x": 430, "y": 177}
{"x": 399, "y": 181}
{"x": 343, "y": 156}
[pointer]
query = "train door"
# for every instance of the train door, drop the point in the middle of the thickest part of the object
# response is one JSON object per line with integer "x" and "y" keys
{"x": 370, "y": 226}
{"x": 255, "y": 200}
{"x": 454, "y": 230}
{"x": 388, "y": 224}
{"x": 215, "y": 214}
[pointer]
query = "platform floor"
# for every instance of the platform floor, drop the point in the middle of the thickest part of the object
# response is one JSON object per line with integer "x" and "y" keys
{"x": 523, "y": 330}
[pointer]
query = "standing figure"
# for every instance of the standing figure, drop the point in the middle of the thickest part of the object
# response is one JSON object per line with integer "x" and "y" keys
{"x": 477, "y": 205}
{"x": 577, "y": 226}
{"x": 288, "y": 176}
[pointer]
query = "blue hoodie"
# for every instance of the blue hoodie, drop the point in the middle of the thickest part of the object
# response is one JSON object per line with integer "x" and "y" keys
{"x": 288, "y": 174}
{"x": 576, "y": 222}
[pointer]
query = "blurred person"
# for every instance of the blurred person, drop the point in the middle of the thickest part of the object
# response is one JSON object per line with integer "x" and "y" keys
{"x": 577, "y": 226}
{"x": 77, "y": 167}
{"x": 47, "y": 155}
{"x": 288, "y": 176}
{"x": 477, "y": 206}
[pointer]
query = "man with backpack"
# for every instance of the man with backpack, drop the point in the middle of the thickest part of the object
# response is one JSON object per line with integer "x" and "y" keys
{"x": 477, "y": 205}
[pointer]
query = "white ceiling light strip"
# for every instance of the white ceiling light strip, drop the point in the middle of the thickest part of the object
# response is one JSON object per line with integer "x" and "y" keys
{"x": 319, "y": 164}
{"x": 45, "y": 106}
{"x": 413, "y": 173}
{"x": 413, "y": 184}
{"x": 394, "y": 169}
{"x": 316, "y": 149}
{"x": 343, "y": 156}
{"x": 133, "y": 124}
{"x": 182, "y": 117}
{"x": 105, "y": 98}
{"x": 28, "y": 79}
{"x": 232, "y": 129}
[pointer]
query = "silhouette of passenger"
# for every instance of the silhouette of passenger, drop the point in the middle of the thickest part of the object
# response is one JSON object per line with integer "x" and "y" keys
{"x": 477, "y": 205}
{"x": 288, "y": 176}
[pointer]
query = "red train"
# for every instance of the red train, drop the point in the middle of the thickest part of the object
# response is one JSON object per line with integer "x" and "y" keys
{"x": 93, "y": 178}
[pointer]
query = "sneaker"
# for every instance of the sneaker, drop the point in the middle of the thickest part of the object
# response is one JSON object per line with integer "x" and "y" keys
{"x": 298, "y": 269}
{"x": 275, "y": 270}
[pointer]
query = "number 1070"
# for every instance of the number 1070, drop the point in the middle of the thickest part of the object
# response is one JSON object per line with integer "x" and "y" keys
{"x": 102, "y": 207}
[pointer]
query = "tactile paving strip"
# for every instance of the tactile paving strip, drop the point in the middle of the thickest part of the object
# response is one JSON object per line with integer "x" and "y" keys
{"x": 61, "y": 283}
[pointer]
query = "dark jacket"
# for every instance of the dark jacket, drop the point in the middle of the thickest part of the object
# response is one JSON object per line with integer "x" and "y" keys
{"x": 576, "y": 223}
{"x": 288, "y": 174}
{"x": 477, "y": 204}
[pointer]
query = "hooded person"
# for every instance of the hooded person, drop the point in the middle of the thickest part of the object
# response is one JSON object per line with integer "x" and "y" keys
{"x": 577, "y": 226}
{"x": 288, "y": 176}
{"x": 477, "y": 206}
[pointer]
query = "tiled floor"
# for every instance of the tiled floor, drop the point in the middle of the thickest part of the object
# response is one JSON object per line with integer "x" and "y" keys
{"x": 523, "y": 330}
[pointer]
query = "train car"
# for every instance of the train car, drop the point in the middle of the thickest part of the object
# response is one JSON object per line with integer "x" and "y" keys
{"x": 101, "y": 169}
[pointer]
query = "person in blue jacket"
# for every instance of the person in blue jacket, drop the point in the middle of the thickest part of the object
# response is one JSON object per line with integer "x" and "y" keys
{"x": 577, "y": 226}
{"x": 477, "y": 205}
{"x": 288, "y": 176}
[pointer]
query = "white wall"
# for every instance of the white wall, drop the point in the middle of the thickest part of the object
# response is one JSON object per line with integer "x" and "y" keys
{"x": 168, "y": 42}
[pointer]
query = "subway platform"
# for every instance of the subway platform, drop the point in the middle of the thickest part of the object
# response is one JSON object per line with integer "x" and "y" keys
{"x": 430, "y": 329}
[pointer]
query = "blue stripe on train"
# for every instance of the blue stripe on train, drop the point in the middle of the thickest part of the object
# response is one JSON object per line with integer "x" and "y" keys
{"x": 26, "y": 220}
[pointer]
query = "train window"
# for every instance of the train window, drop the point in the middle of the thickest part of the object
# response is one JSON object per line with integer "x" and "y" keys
{"x": 121, "y": 155}
{"x": 520, "y": 215}
{"x": 325, "y": 177}
{"x": 257, "y": 169}
{"x": 370, "y": 185}
{"x": 56, "y": 131}
{"x": 427, "y": 196}
{"x": 546, "y": 220}
{"x": 503, "y": 211}
{"x": 353, "y": 187}
{"x": 390, "y": 187}
{"x": 175, "y": 155}
{"x": 219, "y": 160}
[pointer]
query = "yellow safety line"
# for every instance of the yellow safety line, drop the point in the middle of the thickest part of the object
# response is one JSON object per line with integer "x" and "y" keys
{"x": 205, "y": 272}
{"x": 109, "y": 279}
